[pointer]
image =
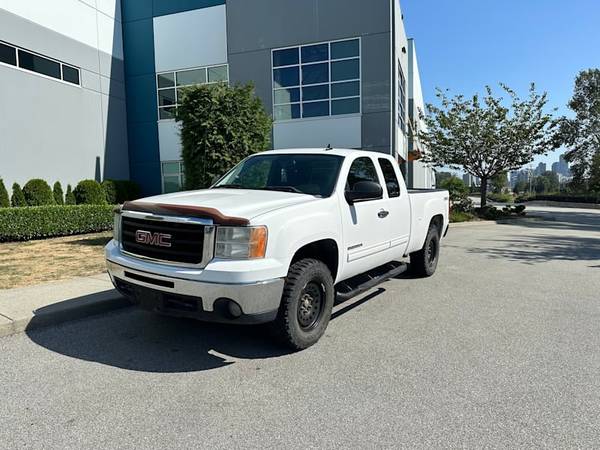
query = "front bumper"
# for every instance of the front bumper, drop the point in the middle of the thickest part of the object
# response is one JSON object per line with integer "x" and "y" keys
{"x": 258, "y": 302}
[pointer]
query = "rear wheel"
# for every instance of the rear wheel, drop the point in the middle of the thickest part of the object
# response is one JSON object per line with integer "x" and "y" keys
{"x": 424, "y": 262}
{"x": 306, "y": 304}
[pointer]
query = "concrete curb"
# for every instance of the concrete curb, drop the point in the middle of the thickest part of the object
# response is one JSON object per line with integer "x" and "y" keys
{"x": 31, "y": 308}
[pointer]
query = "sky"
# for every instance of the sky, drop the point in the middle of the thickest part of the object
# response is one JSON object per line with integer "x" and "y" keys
{"x": 463, "y": 45}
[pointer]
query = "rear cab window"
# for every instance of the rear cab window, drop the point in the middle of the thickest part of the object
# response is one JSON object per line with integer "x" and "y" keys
{"x": 391, "y": 179}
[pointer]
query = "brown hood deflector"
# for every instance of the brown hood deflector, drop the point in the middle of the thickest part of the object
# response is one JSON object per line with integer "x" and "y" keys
{"x": 199, "y": 212}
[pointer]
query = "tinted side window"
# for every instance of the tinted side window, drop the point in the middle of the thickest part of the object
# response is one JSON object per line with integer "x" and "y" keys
{"x": 362, "y": 169}
{"x": 391, "y": 180}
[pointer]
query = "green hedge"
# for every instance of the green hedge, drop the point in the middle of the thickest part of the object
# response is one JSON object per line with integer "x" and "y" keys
{"x": 575, "y": 198}
{"x": 37, "y": 222}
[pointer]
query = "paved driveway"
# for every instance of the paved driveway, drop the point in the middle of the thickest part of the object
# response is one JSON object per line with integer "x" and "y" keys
{"x": 500, "y": 348}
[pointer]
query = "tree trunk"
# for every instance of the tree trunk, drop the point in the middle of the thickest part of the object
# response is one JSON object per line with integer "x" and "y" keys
{"x": 483, "y": 190}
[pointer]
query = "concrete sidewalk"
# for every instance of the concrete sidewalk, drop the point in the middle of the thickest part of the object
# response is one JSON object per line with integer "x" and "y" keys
{"x": 56, "y": 302}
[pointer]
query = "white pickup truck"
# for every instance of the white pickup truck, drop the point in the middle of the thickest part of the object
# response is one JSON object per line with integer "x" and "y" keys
{"x": 277, "y": 239}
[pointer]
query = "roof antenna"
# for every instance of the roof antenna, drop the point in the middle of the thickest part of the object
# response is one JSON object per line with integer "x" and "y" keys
{"x": 329, "y": 147}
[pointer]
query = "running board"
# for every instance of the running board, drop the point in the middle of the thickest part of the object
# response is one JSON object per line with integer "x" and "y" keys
{"x": 354, "y": 286}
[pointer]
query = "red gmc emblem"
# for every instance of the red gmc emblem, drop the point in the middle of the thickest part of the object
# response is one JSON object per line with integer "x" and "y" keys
{"x": 156, "y": 239}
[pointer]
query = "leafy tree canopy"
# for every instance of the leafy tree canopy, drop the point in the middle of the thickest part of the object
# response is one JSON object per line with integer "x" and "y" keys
{"x": 220, "y": 126}
{"x": 487, "y": 135}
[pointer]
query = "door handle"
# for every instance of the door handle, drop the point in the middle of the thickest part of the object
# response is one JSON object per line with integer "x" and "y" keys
{"x": 383, "y": 213}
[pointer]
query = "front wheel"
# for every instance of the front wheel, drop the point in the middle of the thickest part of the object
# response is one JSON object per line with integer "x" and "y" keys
{"x": 306, "y": 304}
{"x": 424, "y": 262}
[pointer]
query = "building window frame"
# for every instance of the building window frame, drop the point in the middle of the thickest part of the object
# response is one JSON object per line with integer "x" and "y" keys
{"x": 180, "y": 175}
{"x": 176, "y": 88}
{"x": 61, "y": 78}
{"x": 401, "y": 98}
{"x": 301, "y": 103}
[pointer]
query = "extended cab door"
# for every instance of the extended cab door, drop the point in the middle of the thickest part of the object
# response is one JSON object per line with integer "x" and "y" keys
{"x": 399, "y": 218}
{"x": 365, "y": 223}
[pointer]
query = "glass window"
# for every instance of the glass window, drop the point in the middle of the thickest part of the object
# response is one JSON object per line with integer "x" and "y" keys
{"x": 8, "y": 54}
{"x": 171, "y": 86}
{"x": 401, "y": 98}
{"x": 172, "y": 176}
{"x": 345, "y": 106}
{"x": 286, "y": 57}
{"x": 345, "y": 49}
{"x": 315, "y": 73}
{"x": 166, "y": 80}
{"x": 315, "y": 109}
{"x": 217, "y": 74}
{"x": 389, "y": 175}
{"x": 39, "y": 64}
{"x": 286, "y": 95}
{"x": 166, "y": 97}
{"x": 300, "y": 174}
{"x": 318, "y": 79}
{"x": 289, "y": 76}
{"x": 318, "y": 92}
{"x": 191, "y": 77}
{"x": 314, "y": 53}
{"x": 347, "y": 89}
{"x": 287, "y": 112}
{"x": 362, "y": 169}
{"x": 70, "y": 74}
{"x": 345, "y": 70}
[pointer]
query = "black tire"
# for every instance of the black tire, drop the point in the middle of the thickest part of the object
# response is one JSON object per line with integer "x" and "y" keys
{"x": 306, "y": 304}
{"x": 424, "y": 262}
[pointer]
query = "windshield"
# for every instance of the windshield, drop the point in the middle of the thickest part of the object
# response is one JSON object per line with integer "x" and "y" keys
{"x": 313, "y": 174}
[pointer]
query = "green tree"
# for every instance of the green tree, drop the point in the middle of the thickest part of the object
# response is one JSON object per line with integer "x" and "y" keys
{"x": 441, "y": 176}
{"x": 69, "y": 196}
{"x": 521, "y": 186}
{"x": 220, "y": 126}
{"x": 582, "y": 133}
{"x": 4, "y": 200}
{"x": 17, "y": 199}
{"x": 456, "y": 187}
{"x": 546, "y": 183}
{"x": 487, "y": 136}
{"x": 594, "y": 180}
{"x": 57, "y": 192}
{"x": 499, "y": 182}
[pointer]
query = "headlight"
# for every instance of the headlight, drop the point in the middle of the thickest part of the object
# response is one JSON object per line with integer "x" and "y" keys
{"x": 117, "y": 226}
{"x": 241, "y": 242}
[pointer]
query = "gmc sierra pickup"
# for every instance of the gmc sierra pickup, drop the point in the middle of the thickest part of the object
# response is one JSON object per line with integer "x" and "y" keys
{"x": 277, "y": 239}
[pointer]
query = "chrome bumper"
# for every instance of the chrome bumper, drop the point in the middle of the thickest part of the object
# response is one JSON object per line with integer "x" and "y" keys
{"x": 253, "y": 298}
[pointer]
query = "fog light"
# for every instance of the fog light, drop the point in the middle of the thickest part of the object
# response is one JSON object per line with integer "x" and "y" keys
{"x": 234, "y": 309}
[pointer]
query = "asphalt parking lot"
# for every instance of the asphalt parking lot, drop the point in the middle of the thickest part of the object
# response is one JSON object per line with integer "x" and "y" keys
{"x": 501, "y": 348}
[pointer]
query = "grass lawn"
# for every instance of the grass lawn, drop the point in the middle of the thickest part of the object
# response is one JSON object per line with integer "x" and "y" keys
{"x": 32, "y": 262}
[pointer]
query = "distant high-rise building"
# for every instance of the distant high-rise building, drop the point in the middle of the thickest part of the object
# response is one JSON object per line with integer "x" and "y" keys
{"x": 540, "y": 169}
{"x": 561, "y": 167}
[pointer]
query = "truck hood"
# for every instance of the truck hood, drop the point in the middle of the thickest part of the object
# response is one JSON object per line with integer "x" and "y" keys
{"x": 234, "y": 202}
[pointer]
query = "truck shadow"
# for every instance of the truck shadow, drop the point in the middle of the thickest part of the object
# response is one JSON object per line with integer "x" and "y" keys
{"x": 133, "y": 339}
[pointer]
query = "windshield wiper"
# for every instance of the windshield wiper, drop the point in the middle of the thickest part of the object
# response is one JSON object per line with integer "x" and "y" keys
{"x": 284, "y": 189}
{"x": 229, "y": 186}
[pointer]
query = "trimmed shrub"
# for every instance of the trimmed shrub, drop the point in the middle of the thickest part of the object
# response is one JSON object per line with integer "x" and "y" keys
{"x": 4, "y": 200}
{"x": 500, "y": 198}
{"x": 89, "y": 192}
{"x": 69, "y": 197}
{"x": 17, "y": 199}
{"x": 38, "y": 222}
{"x": 120, "y": 191}
{"x": 574, "y": 198}
{"x": 57, "y": 192}
{"x": 38, "y": 193}
{"x": 110, "y": 191}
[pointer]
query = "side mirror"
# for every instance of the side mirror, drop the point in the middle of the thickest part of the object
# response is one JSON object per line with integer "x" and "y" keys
{"x": 364, "y": 190}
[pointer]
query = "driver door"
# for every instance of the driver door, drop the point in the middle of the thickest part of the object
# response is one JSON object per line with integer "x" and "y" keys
{"x": 364, "y": 225}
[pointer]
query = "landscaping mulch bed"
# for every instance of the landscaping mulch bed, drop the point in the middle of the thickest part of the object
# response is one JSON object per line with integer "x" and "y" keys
{"x": 33, "y": 262}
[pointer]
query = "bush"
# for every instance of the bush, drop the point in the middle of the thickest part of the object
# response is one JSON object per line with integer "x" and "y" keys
{"x": 500, "y": 198}
{"x": 456, "y": 187}
{"x": 4, "y": 200}
{"x": 17, "y": 199}
{"x": 21, "y": 224}
{"x": 57, "y": 192}
{"x": 574, "y": 198}
{"x": 489, "y": 212}
{"x": 220, "y": 126}
{"x": 89, "y": 192}
{"x": 459, "y": 216}
{"x": 38, "y": 193}
{"x": 69, "y": 197}
{"x": 120, "y": 191}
